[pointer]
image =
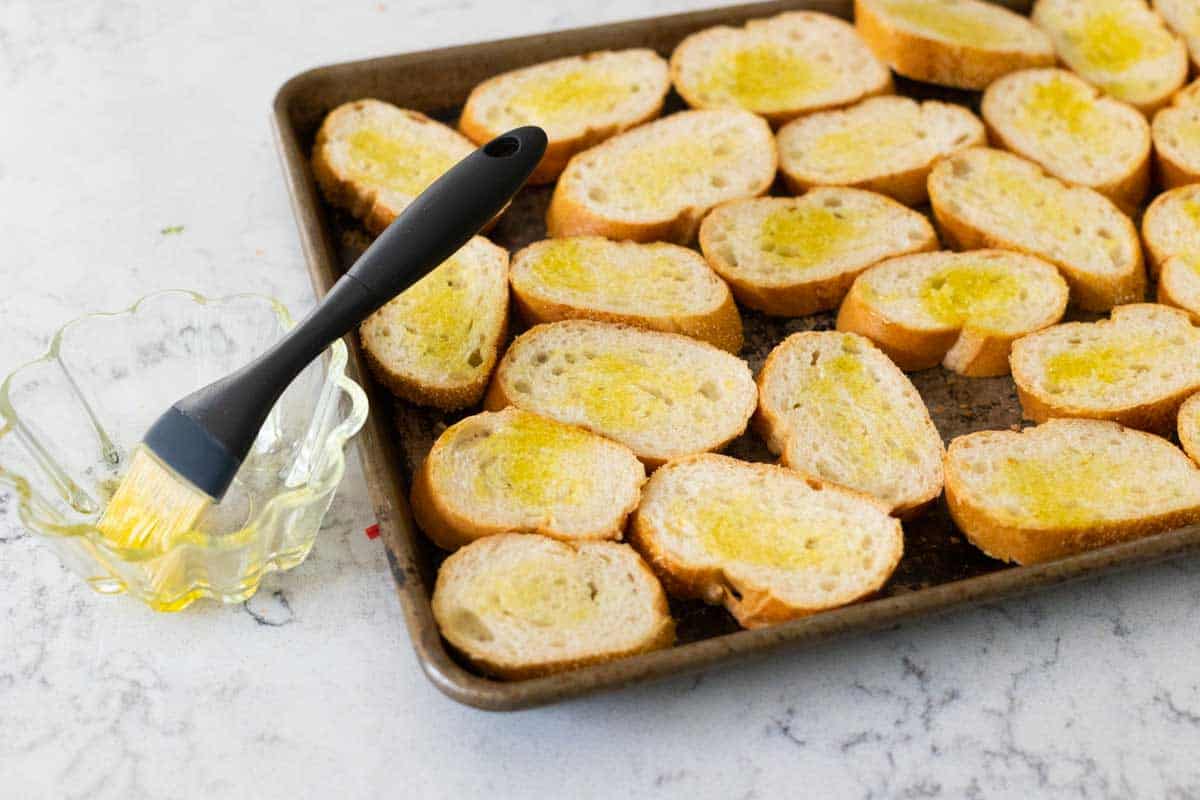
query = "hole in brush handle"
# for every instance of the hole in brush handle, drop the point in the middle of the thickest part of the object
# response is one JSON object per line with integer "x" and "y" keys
{"x": 503, "y": 147}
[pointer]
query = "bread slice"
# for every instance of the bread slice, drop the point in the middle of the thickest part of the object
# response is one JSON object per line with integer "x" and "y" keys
{"x": 1171, "y": 225}
{"x": 1182, "y": 17}
{"x": 989, "y": 198}
{"x": 660, "y": 286}
{"x": 835, "y": 408}
{"x": 1179, "y": 283}
{"x": 579, "y": 101}
{"x": 1120, "y": 46}
{"x": 885, "y": 144}
{"x": 521, "y": 605}
{"x": 1135, "y": 368}
{"x": 657, "y": 181}
{"x": 791, "y": 256}
{"x": 780, "y": 67}
{"x": 372, "y": 158}
{"x": 1065, "y": 487}
{"x": 1054, "y": 118}
{"x": 436, "y": 344}
{"x": 766, "y": 542}
{"x": 516, "y": 471}
{"x": 660, "y": 394}
{"x": 1176, "y": 135}
{"x": 961, "y": 310}
{"x": 962, "y": 43}
{"x": 1189, "y": 427}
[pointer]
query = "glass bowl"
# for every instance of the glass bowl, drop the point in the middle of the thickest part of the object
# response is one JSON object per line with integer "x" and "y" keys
{"x": 69, "y": 422}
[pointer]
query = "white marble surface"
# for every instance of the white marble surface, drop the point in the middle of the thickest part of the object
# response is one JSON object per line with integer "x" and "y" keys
{"x": 120, "y": 119}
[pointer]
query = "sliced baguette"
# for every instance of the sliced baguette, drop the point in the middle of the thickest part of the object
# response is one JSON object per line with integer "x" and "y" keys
{"x": 436, "y": 344}
{"x": 515, "y": 471}
{"x": 657, "y": 181}
{"x": 579, "y": 101}
{"x": 780, "y": 67}
{"x": 791, "y": 256}
{"x": 1135, "y": 368}
{"x": 960, "y": 310}
{"x": 1171, "y": 225}
{"x": 372, "y": 158}
{"x": 1176, "y": 134}
{"x": 1182, "y": 17}
{"x": 1120, "y": 46}
{"x": 1179, "y": 283}
{"x": 1056, "y": 119}
{"x": 659, "y": 286}
{"x": 989, "y": 198}
{"x": 962, "y": 43}
{"x": 885, "y": 144}
{"x": 521, "y": 605}
{"x": 766, "y": 542}
{"x": 835, "y": 408}
{"x": 660, "y": 394}
{"x": 1189, "y": 427}
{"x": 1065, "y": 487}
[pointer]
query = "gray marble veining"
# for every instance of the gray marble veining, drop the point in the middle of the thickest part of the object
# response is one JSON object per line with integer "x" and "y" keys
{"x": 135, "y": 155}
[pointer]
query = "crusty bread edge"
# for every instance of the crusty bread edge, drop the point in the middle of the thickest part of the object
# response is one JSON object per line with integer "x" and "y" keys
{"x": 1190, "y": 444}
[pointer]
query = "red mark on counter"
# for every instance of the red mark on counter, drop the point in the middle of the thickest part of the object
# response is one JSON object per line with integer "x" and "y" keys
{"x": 372, "y": 532}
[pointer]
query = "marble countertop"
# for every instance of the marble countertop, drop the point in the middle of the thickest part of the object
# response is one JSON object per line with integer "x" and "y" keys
{"x": 134, "y": 155}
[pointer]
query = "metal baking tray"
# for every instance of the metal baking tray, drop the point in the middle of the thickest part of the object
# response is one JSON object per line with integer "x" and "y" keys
{"x": 940, "y": 570}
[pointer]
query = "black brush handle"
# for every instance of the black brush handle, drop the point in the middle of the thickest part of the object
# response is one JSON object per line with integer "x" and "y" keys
{"x": 206, "y": 435}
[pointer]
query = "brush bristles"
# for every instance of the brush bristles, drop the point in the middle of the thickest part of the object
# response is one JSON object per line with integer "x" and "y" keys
{"x": 152, "y": 507}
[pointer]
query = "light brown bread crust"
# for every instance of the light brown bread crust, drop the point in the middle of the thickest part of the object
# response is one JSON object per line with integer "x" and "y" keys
{"x": 1008, "y": 542}
{"x": 934, "y": 61}
{"x": 1189, "y": 427}
{"x": 752, "y": 605}
{"x": 1173, "y": 288}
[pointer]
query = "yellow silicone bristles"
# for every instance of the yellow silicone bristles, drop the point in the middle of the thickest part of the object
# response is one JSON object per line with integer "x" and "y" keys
{"x": 152, "y": 507}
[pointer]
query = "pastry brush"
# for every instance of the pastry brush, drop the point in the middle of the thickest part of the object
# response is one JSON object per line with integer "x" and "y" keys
{"x": 190, "y": 455}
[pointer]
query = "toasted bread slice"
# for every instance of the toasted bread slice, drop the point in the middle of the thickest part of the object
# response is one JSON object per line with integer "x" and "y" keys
{"x": 961, "y": 310}
{"x": 1121, "y": 46}
{"x": 521, "y": 605}
{"x": 657, "y": 181}
{"x": 1065, "y": 487}
{"x": 1135, "y": 368}
{"x": 885, "y": 144}
{"x": 1171, "y": 225}
{"x": 1179, "y": 283}
{"x": 780, "y": 67}
{"x": 1182, "y": 17}
{"x": 660, "y": 394}
{"x": 791, "y": 256}
{"x": 436, "y": 344}
{"x": 766, "y": 542}
{"x": 1176, "y": 135}
{"x": 962, "y": 43}
{"x": 835, "y": 408}
{"x": 660, "y": 286}
{"x": 515, "y": 471}
{"x": 1054, "y": 118}
{"x": 579, "y": 101}
{"x": 1189, "y": 427}
{"x": 989, "y": 198}
{"x": 372, "y": 158}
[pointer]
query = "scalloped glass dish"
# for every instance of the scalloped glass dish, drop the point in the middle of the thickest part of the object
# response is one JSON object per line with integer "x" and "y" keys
{"x": 69, "y": 422}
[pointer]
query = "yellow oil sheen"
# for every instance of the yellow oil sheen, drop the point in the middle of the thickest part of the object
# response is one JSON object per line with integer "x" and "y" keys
{"x": 764, "y": 77}
{"x": 805, "y": 235}
{"x": 151, "y": 509}
{"x": 1036, "y": 484}
{"x": 592, "y": 272}
{"x": 1191, "y": 207}
{"x": 1119, "y": 361}
{"x": 395, "y": 161}
{"x": 980, "y": 294}
{"x": 1063, "y": 104}
{"x": 628, "y": 392}
{"x": 860, "y": 149}
{"x": 949, "y": 22}
{"x": 750, "y": 529}
{"x": 579, "y": 92}
{"x": 656, "y": 170}
{"x": 439, "y": 316}
{"x": 543, "y": 592}
{"x": 1113, "y": 42}
{"x": 528, "y": 462}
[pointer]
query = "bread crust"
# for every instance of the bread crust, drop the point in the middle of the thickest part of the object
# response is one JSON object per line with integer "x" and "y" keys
{"x": 934, "y": 61}
{"x": 1167, "y": 290}
{"x": 558, "y": 150}
{"x": 1015, "y": 544}
{"x": 1189, "y": 436}
{"x": 753, "y": 606}
{"x": 1158, "y": 250}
